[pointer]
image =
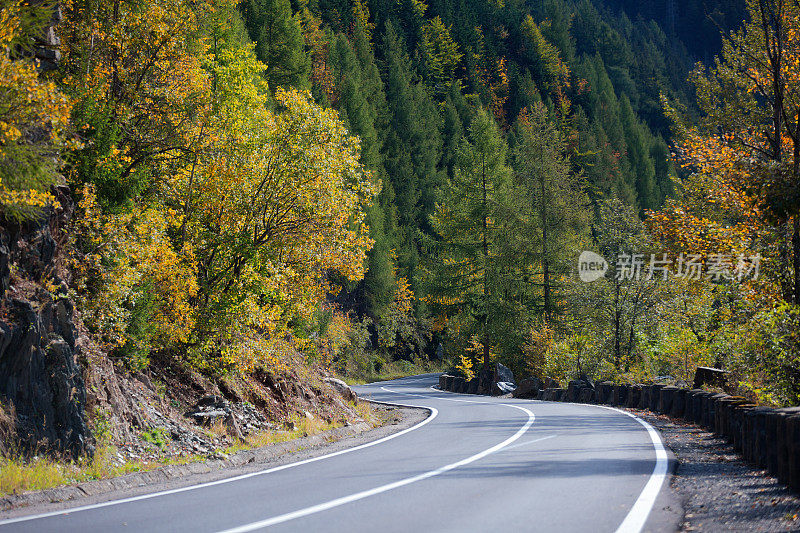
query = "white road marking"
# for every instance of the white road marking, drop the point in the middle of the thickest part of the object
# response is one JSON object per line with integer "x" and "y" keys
{"x": 527, "y": 442}
{"x": 637, "y": 517}
{"x": 389, "y": 486}
{"x": 433, "y": 414}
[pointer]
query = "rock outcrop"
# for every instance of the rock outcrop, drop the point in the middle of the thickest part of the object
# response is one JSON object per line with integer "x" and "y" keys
{"x": 342, "y": 388}
{"x": 40, "y": 379}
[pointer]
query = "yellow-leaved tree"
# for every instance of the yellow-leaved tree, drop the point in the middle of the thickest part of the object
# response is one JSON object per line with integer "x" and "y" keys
{"x": 279, "y": 202}
{"x": 34, "y": 116}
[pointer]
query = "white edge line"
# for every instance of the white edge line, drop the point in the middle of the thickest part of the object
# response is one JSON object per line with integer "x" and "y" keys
{"x": 389, "y": 486}
{"x": 433, "y": 414}
{"x": 636, "y": 518}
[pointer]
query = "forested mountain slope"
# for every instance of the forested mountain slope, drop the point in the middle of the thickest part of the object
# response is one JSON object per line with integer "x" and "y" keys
{"x": 408, "y": 77}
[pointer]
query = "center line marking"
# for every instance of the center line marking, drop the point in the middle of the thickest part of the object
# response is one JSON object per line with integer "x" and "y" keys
{"x": 389, "y": 486}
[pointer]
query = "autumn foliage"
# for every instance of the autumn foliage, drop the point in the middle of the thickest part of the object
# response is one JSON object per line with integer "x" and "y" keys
{"x": 212, "y": 207}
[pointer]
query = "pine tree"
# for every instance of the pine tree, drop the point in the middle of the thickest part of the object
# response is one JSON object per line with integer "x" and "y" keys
{"x": 411, "y": 149}
{"x": 440, "y": 54}
{"x": 638, "y": 153}
{"x": 279, "y": 42}
{"x": 360, "y": 115}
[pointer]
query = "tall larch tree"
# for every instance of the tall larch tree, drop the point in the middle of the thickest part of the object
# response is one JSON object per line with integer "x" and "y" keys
{"x": 464, "y": 260}
{"x": 554, "y": 204}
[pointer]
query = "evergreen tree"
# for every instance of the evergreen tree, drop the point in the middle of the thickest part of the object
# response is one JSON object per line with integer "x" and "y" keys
{"x": 279, "y": 42}
{"x": 638, "y": 152}
{"x": 412, "y": 151}
{"x": 440, "y": 54}
{"x": 553, "y": 204}
{"x": 465, "y": 266}
{"x": 360, "y": 115}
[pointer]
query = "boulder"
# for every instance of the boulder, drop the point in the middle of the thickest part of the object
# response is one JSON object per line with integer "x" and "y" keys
{"x": 206, "y": 417}
{"x": 213, "y": 400}
{"x": 586, "y": 381}
{"x": 586, "y": 395}
{"x": 472, "y": 386}
{"x": 709, "y": 376}
{"x": 550, "y": 383}
{"x": 503, "y": 387}
{"x": 575, "y": 386}
{"x": 232, "y": 426}
{"x": 342, "y": 388}
{"x": 503, "y": 374}
{"x": 459, "y": 384}
{"x": 573, "y": 390}
{"x": 528, "y": 388}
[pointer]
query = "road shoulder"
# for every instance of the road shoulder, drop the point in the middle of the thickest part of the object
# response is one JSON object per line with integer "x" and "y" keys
{"x": 179, "y": 476}
{"x": 718, "y": 490}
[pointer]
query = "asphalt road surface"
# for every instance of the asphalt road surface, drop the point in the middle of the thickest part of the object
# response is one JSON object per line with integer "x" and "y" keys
{"x": 475, "y": 464}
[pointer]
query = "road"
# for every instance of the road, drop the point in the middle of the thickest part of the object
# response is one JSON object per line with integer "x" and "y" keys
{"x": 475, "y": 464}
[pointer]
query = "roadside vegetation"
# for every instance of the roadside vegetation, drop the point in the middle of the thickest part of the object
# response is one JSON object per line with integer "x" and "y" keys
{"x": 22, "y": 472}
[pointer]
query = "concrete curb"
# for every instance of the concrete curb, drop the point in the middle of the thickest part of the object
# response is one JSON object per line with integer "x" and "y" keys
{"x": 171, "y": 472}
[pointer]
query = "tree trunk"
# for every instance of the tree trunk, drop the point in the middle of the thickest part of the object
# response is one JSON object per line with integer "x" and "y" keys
{"x": 783, "y": 264}
{"x": 485, "y": 268}
{"x": 617, "y": 327}
{"x": 545, "y": 258}
{"x": 796, "y": 258}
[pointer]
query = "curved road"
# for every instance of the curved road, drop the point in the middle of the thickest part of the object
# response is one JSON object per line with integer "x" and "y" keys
{"x": 475, "y": 464}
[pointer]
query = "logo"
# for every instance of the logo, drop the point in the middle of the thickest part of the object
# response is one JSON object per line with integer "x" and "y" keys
{"x": 591, "y": 266}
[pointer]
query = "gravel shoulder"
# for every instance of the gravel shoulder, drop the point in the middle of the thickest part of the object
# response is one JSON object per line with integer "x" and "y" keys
{"x": 394, "y": 419}
{"x": 720, "y": 491}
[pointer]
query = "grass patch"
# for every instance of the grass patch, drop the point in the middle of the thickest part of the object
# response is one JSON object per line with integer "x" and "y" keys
{"x": 157, "y": 436}
{"x": 303, "y": 427}
{"x": 18, "y": 474}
